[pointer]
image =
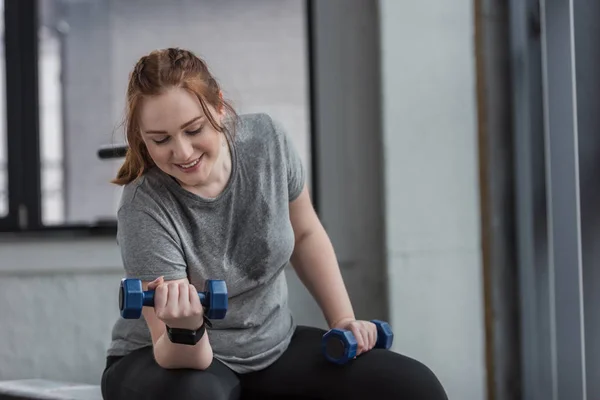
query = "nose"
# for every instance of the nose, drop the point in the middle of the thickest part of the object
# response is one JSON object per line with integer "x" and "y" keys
{"x": 182, "y": 150}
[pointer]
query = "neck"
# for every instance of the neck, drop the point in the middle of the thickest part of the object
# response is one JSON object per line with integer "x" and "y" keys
{"x": 222, "y": 170}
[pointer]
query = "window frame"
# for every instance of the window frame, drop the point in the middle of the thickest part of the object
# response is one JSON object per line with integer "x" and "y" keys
{"x": 22, "y": 125}
{"x": 22, "y": 116}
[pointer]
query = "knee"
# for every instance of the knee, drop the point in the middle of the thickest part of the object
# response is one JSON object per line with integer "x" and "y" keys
{"x": 424, "y": 383}
{"x": 398, "y": 376}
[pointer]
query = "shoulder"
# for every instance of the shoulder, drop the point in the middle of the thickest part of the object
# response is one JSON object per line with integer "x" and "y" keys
{"x": 254, "y": 126}
{"x": 254, "y": 122}
{"x": 143, "y": 195}
{"x": 260, "y": 131}
{"x": 255, "y": 118}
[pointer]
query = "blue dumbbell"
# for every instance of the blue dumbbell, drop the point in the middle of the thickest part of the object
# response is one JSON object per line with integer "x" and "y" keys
{"x": 132, "y": 298}
{"x": 339, "y": 345}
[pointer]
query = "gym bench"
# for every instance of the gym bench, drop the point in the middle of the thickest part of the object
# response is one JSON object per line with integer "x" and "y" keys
{"x": 44, "y": 389}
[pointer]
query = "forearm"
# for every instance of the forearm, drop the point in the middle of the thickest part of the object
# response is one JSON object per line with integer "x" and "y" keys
{"x": 315, "y": 262}
{"x": 173, "y": 356}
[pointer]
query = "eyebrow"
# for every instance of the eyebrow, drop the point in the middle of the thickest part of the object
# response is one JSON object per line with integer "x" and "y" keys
{"x": 183, "y": 126}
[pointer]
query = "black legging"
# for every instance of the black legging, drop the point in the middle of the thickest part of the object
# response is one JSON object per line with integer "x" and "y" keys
{"x": 300, "y": 373}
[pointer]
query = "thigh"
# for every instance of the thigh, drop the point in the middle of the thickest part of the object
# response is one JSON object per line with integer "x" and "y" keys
{"x": 138, "y": 376}
{"x": 304, "y": 372}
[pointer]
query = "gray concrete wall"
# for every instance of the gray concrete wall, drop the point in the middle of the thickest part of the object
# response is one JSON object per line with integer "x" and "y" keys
{"x": 60, "y": 302}
{"x": 431, "y": 189}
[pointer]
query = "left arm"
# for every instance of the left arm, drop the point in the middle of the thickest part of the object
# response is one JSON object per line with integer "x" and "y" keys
{"x": 315, "y": 262}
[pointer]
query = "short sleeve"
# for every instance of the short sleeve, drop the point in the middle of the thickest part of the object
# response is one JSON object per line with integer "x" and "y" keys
{"x": 149, "y": 247}
{"x": 296, "y": 173}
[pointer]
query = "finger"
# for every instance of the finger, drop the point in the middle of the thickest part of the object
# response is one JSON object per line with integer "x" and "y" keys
{"x": 184, "y": 298}
{"x": 360, "y": 340}
{"x": 173, "y": 296}
{"x": 194, "y": 298}
{"x": 365, "y": 334}
{"x": 160, "y": 299}
{"x": 154, "y": 284}
{"x": 372, "y": 335}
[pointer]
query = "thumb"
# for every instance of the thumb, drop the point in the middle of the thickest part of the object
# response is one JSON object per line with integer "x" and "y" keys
{"x": 155, "y": 283}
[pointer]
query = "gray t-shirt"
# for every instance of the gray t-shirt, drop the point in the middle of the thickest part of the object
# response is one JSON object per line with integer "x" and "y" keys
{"x": 243, "y": 236}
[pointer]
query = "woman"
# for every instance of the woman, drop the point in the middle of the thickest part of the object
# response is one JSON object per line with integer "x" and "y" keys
{"x": 209, "y": 194}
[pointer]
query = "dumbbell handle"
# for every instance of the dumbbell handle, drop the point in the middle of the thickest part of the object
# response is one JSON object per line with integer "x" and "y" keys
{"x": 149, "y": 298}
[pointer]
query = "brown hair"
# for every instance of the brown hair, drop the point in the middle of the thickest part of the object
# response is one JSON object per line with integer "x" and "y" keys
{"x": 152, "y": 75}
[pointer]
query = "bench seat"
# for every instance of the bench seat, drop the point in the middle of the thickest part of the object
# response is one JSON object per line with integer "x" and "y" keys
{"x": 44, "y": 389}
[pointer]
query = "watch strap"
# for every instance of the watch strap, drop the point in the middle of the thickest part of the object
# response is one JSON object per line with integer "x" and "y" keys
{"x": 186, "y": 336}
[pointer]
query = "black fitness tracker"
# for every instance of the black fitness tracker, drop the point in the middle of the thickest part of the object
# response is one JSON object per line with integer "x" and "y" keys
{"x": 186, "y": 336}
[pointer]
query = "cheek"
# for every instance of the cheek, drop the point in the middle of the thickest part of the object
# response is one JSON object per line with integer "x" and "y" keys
{"x": 208, "y": 143}
{"x": 160, "y": 155}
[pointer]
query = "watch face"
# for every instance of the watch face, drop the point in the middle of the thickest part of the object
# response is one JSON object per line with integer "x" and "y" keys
{"x": 184, "y": 336}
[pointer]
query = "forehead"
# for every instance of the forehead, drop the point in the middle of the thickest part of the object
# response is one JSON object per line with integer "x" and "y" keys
{"x": 169, "y": 110}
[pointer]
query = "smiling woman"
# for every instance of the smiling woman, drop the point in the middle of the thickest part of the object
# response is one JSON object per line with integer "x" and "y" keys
{"x": 176, "y": 121}
{"x": 208, "y": 195}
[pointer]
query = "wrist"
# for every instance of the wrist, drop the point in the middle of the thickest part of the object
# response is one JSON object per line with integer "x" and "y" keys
{"x": 341, "y": 322}
{"x": 189, "y": 325}
{"x": 185, "y": 336}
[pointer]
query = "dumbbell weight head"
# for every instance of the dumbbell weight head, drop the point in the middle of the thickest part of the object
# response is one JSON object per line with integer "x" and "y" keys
{"x": 131, "y": 298}
{"x": 339, "y": 346}
{"x": 216, "y": 299}
{"x": 385, "y": 335}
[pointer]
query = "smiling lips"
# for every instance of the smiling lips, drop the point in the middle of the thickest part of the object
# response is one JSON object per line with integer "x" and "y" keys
{"x": 190, "y": 166}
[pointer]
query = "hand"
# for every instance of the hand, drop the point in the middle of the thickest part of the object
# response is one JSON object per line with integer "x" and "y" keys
{"x": 365, "y": 333}
{"x": 177, "y": 304}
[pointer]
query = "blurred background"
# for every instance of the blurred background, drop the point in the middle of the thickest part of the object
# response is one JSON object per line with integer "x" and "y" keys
{"x": 453, "y": 155}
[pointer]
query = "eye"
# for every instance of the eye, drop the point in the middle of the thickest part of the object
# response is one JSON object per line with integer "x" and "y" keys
{"x": 195, "y": 131}
{"x": 162, "y": 140}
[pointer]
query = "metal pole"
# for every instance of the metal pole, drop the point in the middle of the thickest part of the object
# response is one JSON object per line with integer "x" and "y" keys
{"x": 562, "y": 161}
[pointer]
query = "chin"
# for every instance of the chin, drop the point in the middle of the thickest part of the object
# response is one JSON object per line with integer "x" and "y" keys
{"x": 187, "y": 180}
{"x": 194, "y": 178}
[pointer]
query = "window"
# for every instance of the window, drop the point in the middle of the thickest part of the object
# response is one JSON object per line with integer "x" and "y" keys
{"x": 76, "y": 114}
{"x": 67, "y": 67}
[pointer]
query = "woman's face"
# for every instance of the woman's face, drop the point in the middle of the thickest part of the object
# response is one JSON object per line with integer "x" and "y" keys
{"x": 181, "y": 140}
